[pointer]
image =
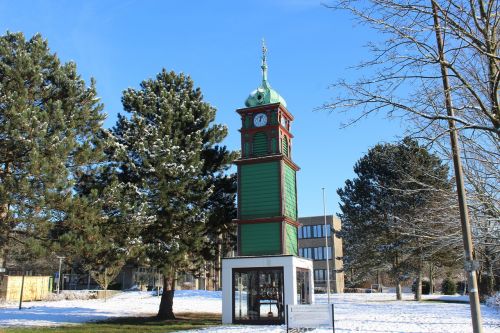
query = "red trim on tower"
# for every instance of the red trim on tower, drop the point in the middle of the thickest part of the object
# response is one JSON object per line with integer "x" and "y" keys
{"x": 264, "y": 128}
{"x": 269, "y": 220}
{"x": 276, "y": 157}
{"x": 265, "y": 107}
{"x": 282, "y": 241}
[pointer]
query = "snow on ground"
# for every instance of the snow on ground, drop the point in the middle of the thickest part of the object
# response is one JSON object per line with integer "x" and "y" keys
{"x": 353, "y": 312}
{"x": 133, "y": 303}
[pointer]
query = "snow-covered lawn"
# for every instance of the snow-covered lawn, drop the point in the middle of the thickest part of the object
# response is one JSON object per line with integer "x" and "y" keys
{"x": 353, "y": 312}
{"x": 128, "y": 304}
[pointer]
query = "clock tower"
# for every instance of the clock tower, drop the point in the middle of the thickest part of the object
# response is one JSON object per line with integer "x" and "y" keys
{"x": 267, "y": 273}
{"x": 267, "y": 187}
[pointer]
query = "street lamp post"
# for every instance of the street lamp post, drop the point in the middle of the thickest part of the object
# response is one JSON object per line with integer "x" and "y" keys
{"x": 326, "y": 250}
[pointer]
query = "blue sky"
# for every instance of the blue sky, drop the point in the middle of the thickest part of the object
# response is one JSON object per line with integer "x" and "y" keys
{"x": 218, "y": 43}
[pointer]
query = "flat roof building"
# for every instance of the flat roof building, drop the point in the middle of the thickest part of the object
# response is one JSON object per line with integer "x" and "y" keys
{"x": 311, "y": 237}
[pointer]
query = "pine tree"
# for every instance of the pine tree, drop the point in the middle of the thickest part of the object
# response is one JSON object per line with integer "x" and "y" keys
{"x": 50, "y": 123}
{"x": 169, "y": 151}
{"x": 386, "y": 210}
{"x": 101, "y": 231}
{"x": 220, "y": 230}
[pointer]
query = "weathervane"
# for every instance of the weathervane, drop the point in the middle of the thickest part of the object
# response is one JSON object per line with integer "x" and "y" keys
{"x": 264, "y": 63}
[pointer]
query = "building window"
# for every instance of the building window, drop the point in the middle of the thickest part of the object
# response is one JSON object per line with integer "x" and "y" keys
{"x": 319, "y": 275}
{"x": 306, "y": 252}
{"x": 327, "y": 230}
{"x": 314, "y": 231}
{"x": 318, "y": 253}
{"x": 315, "y": 253}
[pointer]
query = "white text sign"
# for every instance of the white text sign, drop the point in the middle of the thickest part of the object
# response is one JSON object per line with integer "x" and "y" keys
{"x": 309, "y": 316}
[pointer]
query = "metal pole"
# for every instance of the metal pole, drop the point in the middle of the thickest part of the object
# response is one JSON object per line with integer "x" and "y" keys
{"x": 59, "y": 275}
{"x": 457, "y": 164}
{"x": 333, "y": 318}
{"x": 287, "y": 323}
{"x": 22, "y": 289}
{"x": 326, "y": 250}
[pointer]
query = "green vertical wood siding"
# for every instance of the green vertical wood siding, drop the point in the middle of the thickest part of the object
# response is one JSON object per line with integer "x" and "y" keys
{"x": 291, "y": 239}
{"x": 259, "y": 144}
{"x": 290, "y": 199}
{"x": 274, "y": 119}
{"x": 259, "y": 190}
{"x": 246, "y": 149}
{"x": 274, "y": 145}
{"x": 248, "y": 122}
{"x": 260, "y": 239}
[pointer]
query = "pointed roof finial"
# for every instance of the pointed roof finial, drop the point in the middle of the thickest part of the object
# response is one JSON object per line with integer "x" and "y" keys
{"x": 264, "y": 94}
{"x": 264, "y": 64}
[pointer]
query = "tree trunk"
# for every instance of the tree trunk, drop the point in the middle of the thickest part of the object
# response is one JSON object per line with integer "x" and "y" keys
{"x": 166, "y": 310}
{"x": 3, "y": 255}
{"x": 4, "y": 236}
{"x": 431, "y": 278}
{"x": 397, "y": 277}
{"x": 218, "y": 264}
{"x": 487, "y": 288}
{"x": 418, "y": 289}
{"x": 4, "y": 227}
{"x": 399, "y": 294}
{"x": 105, "y": 284}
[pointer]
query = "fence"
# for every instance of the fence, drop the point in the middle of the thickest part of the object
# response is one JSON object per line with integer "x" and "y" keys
{"x": 35, "y": 288}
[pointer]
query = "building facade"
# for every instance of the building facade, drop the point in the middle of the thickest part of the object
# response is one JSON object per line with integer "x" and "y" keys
{"x": 313, "y": 236}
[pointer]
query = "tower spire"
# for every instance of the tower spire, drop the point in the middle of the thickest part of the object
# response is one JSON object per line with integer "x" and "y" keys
{"x": 264, "y": 94}
{"x": 264, "y": 65}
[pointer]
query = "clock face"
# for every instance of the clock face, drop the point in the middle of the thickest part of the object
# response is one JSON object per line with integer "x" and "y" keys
{"x": 260, "y": 119}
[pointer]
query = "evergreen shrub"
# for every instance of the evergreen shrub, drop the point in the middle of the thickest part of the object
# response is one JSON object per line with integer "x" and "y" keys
{"x": 448, "y": 287}
{"x": 426, "y": 287}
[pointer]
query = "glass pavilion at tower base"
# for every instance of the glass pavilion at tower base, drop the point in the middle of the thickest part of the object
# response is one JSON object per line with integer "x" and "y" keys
{"x": 256, "y": 290}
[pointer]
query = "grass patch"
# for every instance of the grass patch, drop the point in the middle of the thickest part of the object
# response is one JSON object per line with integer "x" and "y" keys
{"x": 184, "y": 321}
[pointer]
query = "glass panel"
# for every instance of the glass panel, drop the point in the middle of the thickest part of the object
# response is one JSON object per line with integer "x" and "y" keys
{"x": 240, "y": 295}
{"x": 258, "y": 295}
{"x": 308, "y": 232}
{"x": 269, "y": 304}
{"x": 303, "y": 286}
{"x": 328, "y": 231}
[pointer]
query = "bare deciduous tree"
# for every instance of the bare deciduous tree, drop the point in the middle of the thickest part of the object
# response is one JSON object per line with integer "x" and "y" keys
{"x": 405, "y": 79}
{"x": 105, "y": 275}
{"x": 405, "y": 69}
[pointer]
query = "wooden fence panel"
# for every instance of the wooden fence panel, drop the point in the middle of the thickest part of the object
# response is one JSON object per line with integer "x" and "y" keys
{"x": 35, "y": 288}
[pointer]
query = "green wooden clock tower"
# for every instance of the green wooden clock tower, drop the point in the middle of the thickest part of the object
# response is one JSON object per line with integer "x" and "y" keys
{"x": 267, "y": 274}
{"x": 267, "y": 187}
